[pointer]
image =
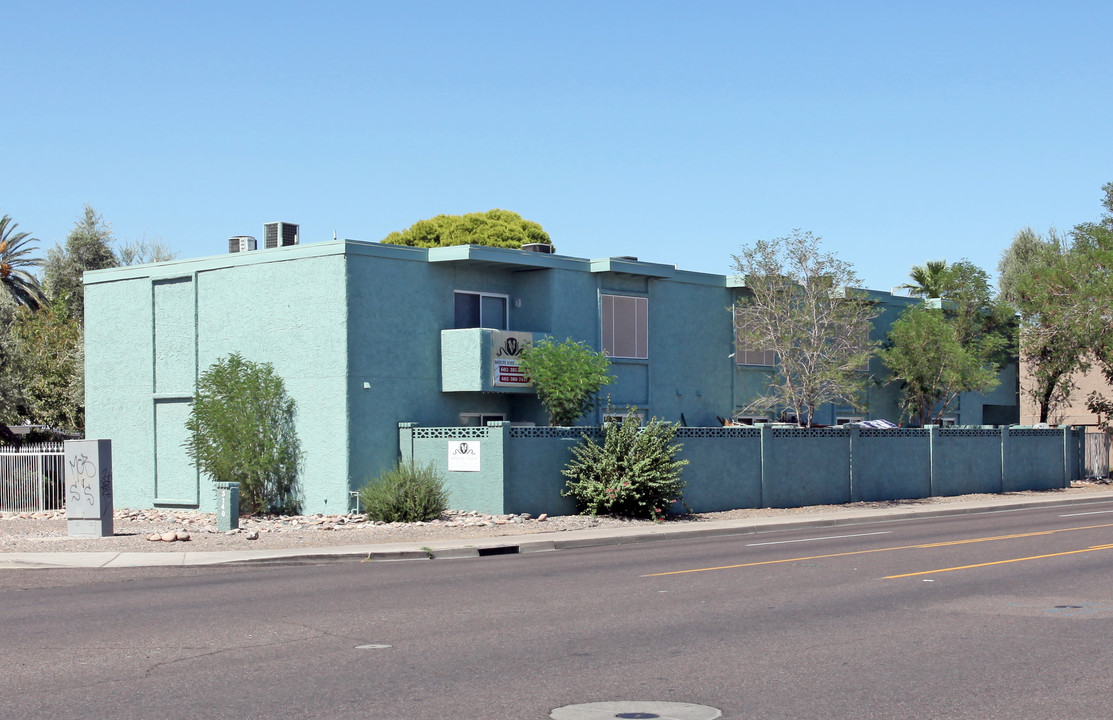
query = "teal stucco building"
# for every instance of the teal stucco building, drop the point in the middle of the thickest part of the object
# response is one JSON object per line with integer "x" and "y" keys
{"x": 369, "y": 335}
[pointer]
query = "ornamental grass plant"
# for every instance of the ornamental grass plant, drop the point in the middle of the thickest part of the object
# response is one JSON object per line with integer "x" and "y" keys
{"x": 407, "y": 492}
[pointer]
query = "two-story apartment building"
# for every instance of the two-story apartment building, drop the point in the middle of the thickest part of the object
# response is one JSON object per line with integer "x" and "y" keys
{"x": 367, "y": 335}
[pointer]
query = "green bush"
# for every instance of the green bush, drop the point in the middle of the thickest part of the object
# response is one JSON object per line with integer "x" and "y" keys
{"x": 241, "y": 429}
{"x": 407, "y": 492}
{"x": 634, "y": 472}
{"x": 566, "y": 376}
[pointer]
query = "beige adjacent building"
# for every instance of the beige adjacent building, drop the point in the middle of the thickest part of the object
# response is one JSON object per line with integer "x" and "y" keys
{"x": 1075, "y": 412}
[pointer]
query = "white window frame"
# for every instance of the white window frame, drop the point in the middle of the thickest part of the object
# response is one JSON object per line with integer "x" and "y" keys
{"x": 948, "y": 421}
{"x": 482, "y": 418}
{"x": 846, "y": 419}
{"x": 481, "y": 295}
{"x": 641, "y": 335}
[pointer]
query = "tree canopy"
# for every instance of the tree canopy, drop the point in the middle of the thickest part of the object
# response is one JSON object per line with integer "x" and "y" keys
{"x": 930, "y": 280}
{"x": 566, "y": 375}
{"x": 88, "y": 247}
{"x": 15, "y": 265}
{"x": 1040, "y": 276}
{"x": 497, "y": 228}
{"x": 956, "y": 345}
{"x": 802, "y": 306}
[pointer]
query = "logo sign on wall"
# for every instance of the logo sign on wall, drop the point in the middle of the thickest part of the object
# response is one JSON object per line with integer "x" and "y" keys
{"x": 463, "y": 456}
{"x": 507, "y": 356}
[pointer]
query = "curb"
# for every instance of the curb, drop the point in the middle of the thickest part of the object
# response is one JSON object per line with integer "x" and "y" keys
{"x": 494, "y": 547}
{"x": 526, "y": 544}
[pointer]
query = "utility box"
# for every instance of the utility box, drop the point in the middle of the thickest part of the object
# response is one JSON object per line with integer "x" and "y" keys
{"x": 88, "y": 488}
{"x": 228, "y": 506}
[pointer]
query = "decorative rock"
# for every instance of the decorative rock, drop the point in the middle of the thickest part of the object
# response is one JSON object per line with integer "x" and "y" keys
{"x": 170, "y": 536}
{"x": 542, "y": 517}
{"x": 154, "y": 537}
{"x": 253, "y": 535}
{"x": 182, "y": 535}
{"x": 525, "y": 516}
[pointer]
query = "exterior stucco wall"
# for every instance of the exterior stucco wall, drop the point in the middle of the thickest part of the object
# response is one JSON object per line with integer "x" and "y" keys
{"x": 152, "y": 330}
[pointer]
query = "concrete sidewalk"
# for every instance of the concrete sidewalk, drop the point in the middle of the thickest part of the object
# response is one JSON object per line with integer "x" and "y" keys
{"x": 541, "y": 542}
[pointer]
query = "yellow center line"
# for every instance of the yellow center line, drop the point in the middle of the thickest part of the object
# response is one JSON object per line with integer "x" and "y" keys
{"x": 925, "y": 546}
{"x": 1001, "y": 562}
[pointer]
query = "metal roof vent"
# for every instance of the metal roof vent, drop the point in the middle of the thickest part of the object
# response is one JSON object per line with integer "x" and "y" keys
{"x": 242, "y": 243}
{"x": 280, "y": 234}
{"x": 545, "y": 248}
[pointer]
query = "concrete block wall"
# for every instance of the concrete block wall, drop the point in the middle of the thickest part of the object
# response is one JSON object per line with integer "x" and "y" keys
{"x": 742, "y": 467}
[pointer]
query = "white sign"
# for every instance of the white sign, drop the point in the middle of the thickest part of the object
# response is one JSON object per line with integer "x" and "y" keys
{"x": 463, "y": 456}
{"x": 507, "y": 357}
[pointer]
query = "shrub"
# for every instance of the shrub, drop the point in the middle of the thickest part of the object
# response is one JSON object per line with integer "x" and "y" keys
{"x": 566, "y": 376}
{"x": 241, "y": 427}
{"x": 634, "y": 472}
{"x": 407, "y": 492}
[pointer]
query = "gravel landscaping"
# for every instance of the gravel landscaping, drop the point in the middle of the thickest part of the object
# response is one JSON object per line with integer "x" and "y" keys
{"x": 195, "y": 531}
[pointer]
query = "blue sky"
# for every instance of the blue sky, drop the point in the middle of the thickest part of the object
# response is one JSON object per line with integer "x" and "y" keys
{"x": 677, "y": 132}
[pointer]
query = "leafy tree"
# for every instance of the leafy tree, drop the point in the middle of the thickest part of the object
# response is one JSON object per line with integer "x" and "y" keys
{"x": 957, "y": 346}
{"x": 930, "y": 280}
{"x": 927, "y": 355}
{"x": 566, "y": 376}
{"x": 802, "y": 306}
{"x": 88, "y": 247}
{"x": 51, "y": 355}
{"x": 242, "y": 430}
{"x": 1041, "y": 278}
{"x": 498, "y": 228}
{"x": 634, "y": 473}
{"x": 1093, "y": 301}
{"x": 15, "y": 266}
{"x": 11, "y": 382}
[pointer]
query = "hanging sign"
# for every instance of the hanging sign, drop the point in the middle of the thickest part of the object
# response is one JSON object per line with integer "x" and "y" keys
{"x": 506, "y": 358}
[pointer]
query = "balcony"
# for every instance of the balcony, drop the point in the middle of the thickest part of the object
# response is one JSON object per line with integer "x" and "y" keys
{"x": 482, "y": 360}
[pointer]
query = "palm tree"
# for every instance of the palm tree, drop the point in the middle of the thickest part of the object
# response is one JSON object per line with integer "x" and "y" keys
{"x": 930, "y": 280}
{"x": 14, "y": 263}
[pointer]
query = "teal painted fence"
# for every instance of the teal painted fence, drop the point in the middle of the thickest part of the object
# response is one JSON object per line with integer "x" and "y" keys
{"x": 505, "y": 469}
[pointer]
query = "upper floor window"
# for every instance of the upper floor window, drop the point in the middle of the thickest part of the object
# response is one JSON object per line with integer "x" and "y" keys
{"x": 481, "y": 310}
{"x": 625, "y": 326}
{"x": 744, "y": 354}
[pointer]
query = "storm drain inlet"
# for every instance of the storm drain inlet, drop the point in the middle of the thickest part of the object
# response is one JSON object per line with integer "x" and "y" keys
{"x": 641, "y": 709}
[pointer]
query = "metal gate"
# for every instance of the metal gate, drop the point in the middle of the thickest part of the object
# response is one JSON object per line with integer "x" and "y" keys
{"x": 1097, "y": 454}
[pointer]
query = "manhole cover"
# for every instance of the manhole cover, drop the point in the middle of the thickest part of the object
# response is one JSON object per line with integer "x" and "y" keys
{"x": 635, "y": 709}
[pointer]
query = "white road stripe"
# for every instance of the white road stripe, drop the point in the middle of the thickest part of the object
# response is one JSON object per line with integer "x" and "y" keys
{"x": 829, "y": 537}
{"x": 1092, "y": 512}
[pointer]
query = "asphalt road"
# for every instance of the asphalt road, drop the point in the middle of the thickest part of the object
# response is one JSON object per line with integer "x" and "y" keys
{"x": 1002, "y": 615}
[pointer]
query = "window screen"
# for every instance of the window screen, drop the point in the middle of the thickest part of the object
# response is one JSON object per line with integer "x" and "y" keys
{"x": 625, "y": 321}
{"x": 746, "y": 355}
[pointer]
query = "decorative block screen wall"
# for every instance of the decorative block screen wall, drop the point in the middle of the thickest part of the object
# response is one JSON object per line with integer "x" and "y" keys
{"x": 743, "y": 467}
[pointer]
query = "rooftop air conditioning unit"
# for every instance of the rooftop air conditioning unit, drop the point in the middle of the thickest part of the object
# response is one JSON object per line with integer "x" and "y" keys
{"x": 545, "y": 248}
{"x": 279, "y": 234}
{"x": 242, "y": 243}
